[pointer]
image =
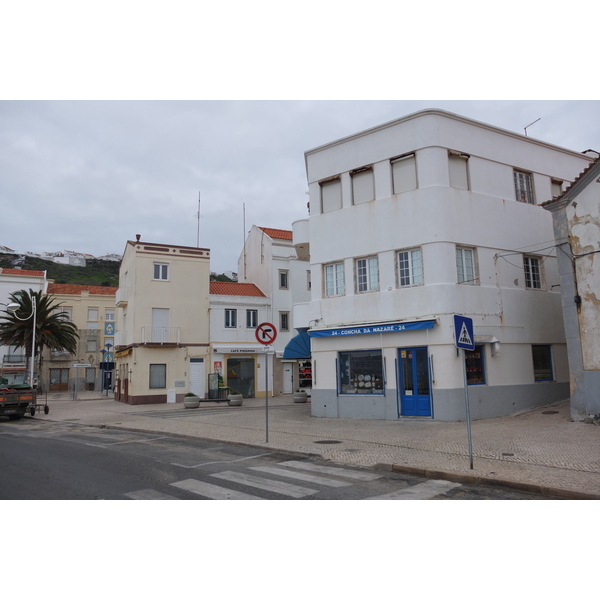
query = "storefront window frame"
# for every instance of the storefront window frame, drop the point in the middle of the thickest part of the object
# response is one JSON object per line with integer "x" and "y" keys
{"x": 354, "y": 387}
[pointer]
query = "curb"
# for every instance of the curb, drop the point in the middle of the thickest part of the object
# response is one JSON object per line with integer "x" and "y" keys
{"x": 541, "y": 490}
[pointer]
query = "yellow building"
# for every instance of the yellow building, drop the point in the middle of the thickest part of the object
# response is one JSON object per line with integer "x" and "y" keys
{"x": 162, "y": 338}
{"x": 92, "y": 309}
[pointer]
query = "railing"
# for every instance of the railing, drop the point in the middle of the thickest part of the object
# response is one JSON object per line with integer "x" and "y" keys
{"x": 11, "y": 359}
{"x": 161, "y": 335}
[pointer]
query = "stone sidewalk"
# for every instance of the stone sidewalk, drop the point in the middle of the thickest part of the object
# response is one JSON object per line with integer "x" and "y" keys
{"x": 540, "y": 451}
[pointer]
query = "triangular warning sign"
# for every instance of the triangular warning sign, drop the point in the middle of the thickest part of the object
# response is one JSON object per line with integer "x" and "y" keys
{"x": 464, "y": 337}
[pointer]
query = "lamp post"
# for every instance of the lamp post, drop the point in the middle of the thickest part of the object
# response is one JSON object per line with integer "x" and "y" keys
{"x": 13, "y": 307}
{"x": 103, "y": 363}
{"x": 106, "y": 357}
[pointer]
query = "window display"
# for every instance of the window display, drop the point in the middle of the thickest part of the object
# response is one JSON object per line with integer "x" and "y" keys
{"x": 361, "y": 372}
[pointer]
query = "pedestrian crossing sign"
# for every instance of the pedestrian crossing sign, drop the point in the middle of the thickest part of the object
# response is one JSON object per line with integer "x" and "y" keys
{"x": 463, "y": 332}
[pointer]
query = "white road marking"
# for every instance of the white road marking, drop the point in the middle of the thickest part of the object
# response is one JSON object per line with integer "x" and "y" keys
{"x": 216, "y": 462}
{"x": 149, "y": 495}
{"x": 306, "y": 466}
{"x": 421, "y": 491}
{"x": 302, "y": 476}
{"x": 285, "y": 489}
{"x": 214, "y": 492}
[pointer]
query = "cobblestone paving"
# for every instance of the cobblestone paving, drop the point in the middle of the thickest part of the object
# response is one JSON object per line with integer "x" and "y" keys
{"x": 533, "y": 448}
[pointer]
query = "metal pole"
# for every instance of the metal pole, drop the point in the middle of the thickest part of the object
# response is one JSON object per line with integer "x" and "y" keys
{"x": 31, "y": 372}
{"x": 267, "y": 394}
{"x": 467, "y": 406}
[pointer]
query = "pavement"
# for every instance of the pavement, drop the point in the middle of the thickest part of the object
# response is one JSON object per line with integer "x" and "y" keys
{"x": 540, "y": 451}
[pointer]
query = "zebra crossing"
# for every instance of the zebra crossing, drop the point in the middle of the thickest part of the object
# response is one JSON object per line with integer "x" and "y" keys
{"x": 292, "y": 479}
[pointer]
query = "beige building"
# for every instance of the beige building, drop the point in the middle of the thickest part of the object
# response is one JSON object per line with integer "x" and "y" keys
{"x": 162, "y": 338}
{"x": 92, "y": 309}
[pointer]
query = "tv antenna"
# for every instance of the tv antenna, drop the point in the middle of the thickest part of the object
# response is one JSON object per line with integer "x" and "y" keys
{"x": 530, "y": 124}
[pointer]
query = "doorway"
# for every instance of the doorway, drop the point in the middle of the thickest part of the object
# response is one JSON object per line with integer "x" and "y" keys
{"x": 415, "y": 393}
{"x": 59, "y": 380}
{"x": 240, "y": 375}
{"x": 197, "y": 377}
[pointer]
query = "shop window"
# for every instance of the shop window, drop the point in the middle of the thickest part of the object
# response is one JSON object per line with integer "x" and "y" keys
{"x": 304, "y": 374}
{"x": 361, "y": 372}
{"x": 158, "y": 376}
{"x": 542, "y": 363}
{"x": 474, "y": 363}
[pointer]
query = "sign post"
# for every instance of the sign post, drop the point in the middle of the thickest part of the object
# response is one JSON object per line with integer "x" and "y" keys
{"x": 266, "y": 334}
{"x": 465, "y": 340}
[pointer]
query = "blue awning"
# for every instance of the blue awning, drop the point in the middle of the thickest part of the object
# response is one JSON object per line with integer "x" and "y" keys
{"x": 298, "y": 346}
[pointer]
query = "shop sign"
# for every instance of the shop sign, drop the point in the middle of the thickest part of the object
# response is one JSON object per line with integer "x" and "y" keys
{"x": 384, "y": 328}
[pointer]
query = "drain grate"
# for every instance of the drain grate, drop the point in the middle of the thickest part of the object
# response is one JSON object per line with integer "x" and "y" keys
{"x": 328, "y": 442}
{"x": 550, "y": 412}
{"x": 507, "y": 454}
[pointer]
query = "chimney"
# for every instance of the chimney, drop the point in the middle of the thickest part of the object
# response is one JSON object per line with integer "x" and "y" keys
{"x": 137, "y": 237}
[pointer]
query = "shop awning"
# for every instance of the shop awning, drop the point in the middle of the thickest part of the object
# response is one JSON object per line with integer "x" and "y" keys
{"x": 298, "y": 346}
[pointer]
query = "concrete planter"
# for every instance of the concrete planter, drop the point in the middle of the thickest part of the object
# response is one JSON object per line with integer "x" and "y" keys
{"x": 235, "y": 399}
{"x": 191, "y": 401}
{"x": 300, "y": 396}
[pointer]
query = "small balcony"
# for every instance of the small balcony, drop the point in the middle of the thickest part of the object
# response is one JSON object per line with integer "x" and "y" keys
{"x": 14, "y": 361}
{"x": 121, "y": 297}
{"x": 300, "y": 236}
{"x": 161, "y": 335}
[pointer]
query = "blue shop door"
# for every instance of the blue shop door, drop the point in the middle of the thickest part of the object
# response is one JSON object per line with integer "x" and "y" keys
{"x": 415, "y": 395}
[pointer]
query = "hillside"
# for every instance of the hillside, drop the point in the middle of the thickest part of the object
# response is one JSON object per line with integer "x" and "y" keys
{"x": 96, "y": 272}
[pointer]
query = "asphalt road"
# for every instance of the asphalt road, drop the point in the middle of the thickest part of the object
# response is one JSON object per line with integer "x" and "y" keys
{"x": 64, "y": 461}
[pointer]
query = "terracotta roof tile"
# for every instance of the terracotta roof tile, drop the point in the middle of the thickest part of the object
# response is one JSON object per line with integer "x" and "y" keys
{"x": 72, "y": 288}
{"x": 277, "y": 234}
{"x": 25, "y": 272}
{"x": 227, "y": 288}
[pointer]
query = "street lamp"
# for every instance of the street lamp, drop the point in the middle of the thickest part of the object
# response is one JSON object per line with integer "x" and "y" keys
{"x": 13, "y": 307}
{"x": 105, "y": 357}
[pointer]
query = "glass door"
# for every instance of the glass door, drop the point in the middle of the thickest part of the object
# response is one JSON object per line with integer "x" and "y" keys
{"x": 415, "y": 395}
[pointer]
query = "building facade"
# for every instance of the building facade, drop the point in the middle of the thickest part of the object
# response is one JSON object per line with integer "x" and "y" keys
{"x": 162, "y": 337}
{"x": 576, "y": 218}
{"x": 270, "y": 260}
{"x": 427, "y": 217}
{"x": 237, "y": 357}
{"x": 92, "y": 309}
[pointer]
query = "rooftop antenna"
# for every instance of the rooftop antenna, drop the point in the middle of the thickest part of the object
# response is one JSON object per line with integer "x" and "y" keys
{"x": 530, "y": 124}
{"x": 198, "y": 238}
{"x": 244, "y": 218}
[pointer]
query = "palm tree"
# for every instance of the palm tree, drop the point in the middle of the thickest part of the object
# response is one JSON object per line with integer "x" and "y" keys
{"x": 52, "y": 328}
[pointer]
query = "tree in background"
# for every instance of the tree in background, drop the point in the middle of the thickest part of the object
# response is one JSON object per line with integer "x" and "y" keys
{"x": 52, "y": 326}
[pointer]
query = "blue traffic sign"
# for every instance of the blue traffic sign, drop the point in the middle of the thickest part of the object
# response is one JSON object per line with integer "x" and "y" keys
{"x": 463, "y": 332}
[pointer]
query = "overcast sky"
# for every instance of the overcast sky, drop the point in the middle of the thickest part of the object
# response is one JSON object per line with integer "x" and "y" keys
{"x": 113, "y": 121}
{"x": 89, "y": 175}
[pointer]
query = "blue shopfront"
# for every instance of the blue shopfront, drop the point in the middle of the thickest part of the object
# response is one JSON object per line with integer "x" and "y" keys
{"x": 370, "y": 361}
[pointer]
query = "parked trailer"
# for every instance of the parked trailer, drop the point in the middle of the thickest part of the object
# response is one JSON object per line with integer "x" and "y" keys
{"x": 15, "y": 403}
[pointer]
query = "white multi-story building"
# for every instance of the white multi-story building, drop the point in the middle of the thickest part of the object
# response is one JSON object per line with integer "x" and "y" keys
{"x": 270, "y": 260}
{"x": 415, "y": 221}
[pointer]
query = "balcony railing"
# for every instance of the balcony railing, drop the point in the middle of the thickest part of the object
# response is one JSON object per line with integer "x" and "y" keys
{"x": 161, "y": 335}
{"x": 14, "y": 359}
